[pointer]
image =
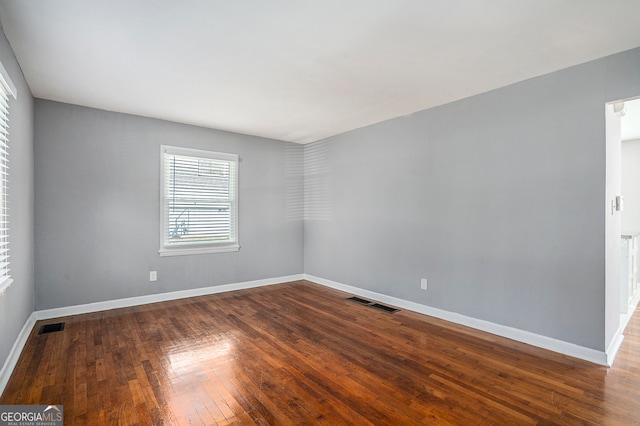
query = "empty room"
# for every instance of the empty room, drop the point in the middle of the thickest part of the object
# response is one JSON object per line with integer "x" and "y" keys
{"x": 288, "y": 212}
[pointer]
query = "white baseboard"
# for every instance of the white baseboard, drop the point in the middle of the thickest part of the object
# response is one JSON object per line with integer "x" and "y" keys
{"x": 523, "y": 336}
{"x": 160, "y": 297}
{"x": 497, "y": 329}
{"x": 635, "y": 299}
{"x": 16, "y": 350}
{"x": 14, "y": 355}
{"x": 612, "y": 350}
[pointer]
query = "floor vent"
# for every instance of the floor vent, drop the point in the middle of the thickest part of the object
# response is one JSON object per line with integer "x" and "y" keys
{"x": 51, "y": 328}
{"x": 359, "y": 300}
{"x": 373, "y": 304}
{"x": 384, "y": 307}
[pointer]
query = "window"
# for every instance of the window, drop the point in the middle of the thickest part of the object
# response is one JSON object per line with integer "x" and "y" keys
{"x": 199, "y": 212}
{"x": 6, "y": 89}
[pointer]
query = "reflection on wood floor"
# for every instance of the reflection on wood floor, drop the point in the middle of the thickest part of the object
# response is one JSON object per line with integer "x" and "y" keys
{"x": 299, "y": 353}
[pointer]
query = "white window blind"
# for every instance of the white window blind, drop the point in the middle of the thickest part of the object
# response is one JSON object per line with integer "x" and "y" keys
{"x": 6, "y": 89}
{"x": 199, "y": 201}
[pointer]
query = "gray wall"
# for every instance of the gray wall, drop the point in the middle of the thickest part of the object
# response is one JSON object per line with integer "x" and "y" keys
{"x": 18, "y": 301}
{"x": 631, "y": 186}
{"x": 97, "y": 208}
{"x": 497, "y": 199}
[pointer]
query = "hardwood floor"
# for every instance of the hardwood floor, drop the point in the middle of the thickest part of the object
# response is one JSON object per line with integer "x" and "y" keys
{"x": 299, "y": 353}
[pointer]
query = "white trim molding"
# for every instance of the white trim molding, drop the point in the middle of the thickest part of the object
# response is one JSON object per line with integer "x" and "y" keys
{"x": 18, "y": 346}
{"x": 6, "y": 81}
{"x": 12, "y": 359}
{"x": 614, "y": 346}
{"x": 560, "y": 346}
{"x": 160, "y": 297}
{"x": 5, "y": 285}
{"x": 612, "y": 350}
{"x": 566, "y": 348}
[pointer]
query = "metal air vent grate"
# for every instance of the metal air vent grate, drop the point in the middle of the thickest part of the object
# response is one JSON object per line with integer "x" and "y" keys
{"x": 51, "y": 328}
{"x": 375, "y": 305}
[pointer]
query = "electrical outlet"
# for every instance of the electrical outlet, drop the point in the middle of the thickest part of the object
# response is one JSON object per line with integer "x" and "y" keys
{"x": 153, "y": 275}
{"x": 423, "y": 284}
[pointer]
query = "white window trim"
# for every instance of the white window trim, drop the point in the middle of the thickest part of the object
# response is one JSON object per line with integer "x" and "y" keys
{"x": 5, "y": 80}
{"x": 223, "y": 247}
{"x": 10, "y": 89}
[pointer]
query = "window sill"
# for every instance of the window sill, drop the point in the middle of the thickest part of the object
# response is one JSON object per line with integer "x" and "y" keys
{"x": 5, "y": 285}
{"x": 198, "y": 250}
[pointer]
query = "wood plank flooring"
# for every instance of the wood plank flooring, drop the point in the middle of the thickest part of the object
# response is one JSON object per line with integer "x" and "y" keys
{"x": 299, "y": 353}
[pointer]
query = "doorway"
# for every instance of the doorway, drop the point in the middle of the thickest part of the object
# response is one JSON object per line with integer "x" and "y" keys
{"x": 622, "y": 213}
{"x": 630, "y": 214}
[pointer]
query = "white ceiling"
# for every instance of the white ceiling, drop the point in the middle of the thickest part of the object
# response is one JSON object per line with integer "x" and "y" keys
{"x": 299, "y": 70}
